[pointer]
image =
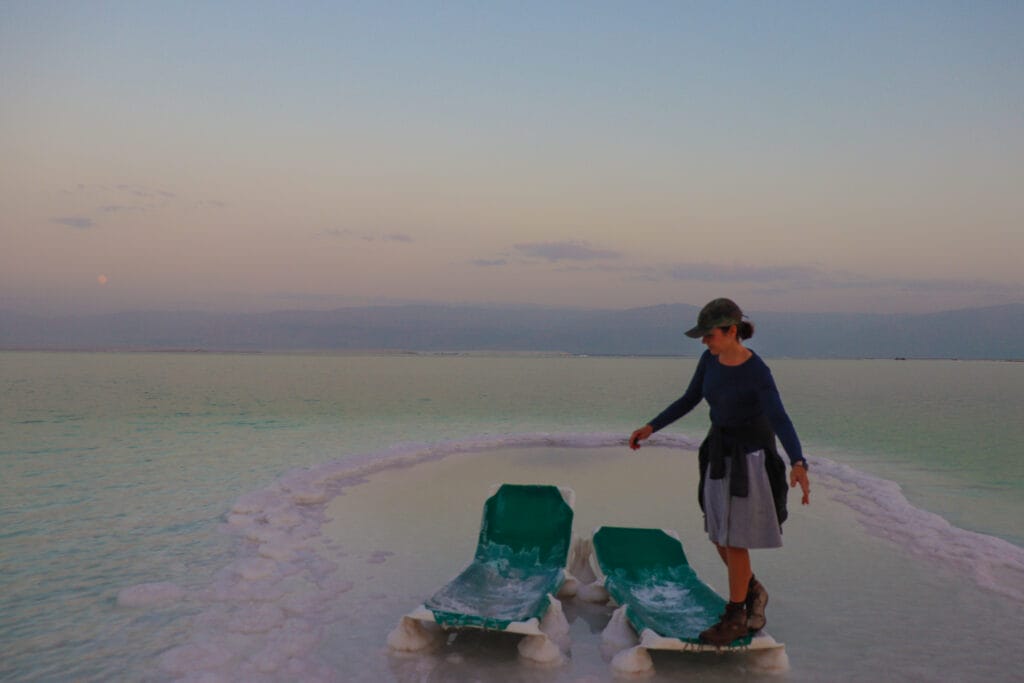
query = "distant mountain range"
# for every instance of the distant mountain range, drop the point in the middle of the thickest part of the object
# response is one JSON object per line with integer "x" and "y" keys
{"x": 979, "y": 333}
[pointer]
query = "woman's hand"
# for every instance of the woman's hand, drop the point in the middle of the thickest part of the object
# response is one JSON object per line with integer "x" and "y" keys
{"x": 798, "y": 475}
{"x": 640, "y": 435}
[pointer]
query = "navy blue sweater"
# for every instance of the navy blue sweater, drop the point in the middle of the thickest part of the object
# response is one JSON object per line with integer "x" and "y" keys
{"x": 736, "y": 395}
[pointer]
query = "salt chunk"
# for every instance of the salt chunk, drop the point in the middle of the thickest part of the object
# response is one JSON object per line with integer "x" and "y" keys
{"x": 255, "y": 619}
{"x": 257, "y": 501}
{"x": 413, "y": 635}
{"x": 310, "y": 496}
{"x": 228, "y": 590}
{"x": 194, "y": 657}
{"x": 618, "y": 635}
{"x": 256, "y": 568}
{"x": 379, "y": 556}
{"x": 303, "y": 603}
{"x": 258, "y": 532}
{"x": 555, "y": 625}
{"x": 295, "y": 639}
{"x": 278, "y": 552}
{"x": 540, "y": 649}
{"x": 634, "y": 660}
{"x": 284, "y": 519}
{"x": 147, "y": 594}
{"x": 268, "y": 660}
{"x": 334, "y": 586}
{"x": 321, "y": 568}
{"x": 772, "y": 660}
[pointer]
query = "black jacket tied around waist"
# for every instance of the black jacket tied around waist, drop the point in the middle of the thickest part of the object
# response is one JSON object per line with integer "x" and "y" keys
{"x": 735, "y": 442}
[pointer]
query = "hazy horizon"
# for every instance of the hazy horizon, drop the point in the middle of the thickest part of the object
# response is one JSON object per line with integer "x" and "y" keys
{"x": 199, "y": 309}
{"x": 256, "y": 157}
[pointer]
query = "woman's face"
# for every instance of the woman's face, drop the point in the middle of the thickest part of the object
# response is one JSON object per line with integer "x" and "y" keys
{"x": 717, "y": 340}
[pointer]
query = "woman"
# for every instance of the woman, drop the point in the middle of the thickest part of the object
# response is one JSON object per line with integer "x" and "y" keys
{"x": 742, "y": 477}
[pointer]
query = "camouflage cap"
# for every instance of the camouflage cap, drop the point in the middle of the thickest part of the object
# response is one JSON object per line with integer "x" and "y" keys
{"x": 717, "y": 313}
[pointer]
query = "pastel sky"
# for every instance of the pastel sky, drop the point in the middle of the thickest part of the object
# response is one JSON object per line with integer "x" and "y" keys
{"x": 246, "y": 156}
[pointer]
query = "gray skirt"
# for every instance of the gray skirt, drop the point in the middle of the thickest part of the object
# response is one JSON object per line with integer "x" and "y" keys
{"x": 749, "y": 522}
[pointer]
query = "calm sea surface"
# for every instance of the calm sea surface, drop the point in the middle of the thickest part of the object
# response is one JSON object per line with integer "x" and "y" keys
{"x": 124, "y": 469}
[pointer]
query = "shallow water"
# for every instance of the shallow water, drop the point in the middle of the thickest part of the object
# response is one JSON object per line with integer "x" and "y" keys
{"x": 120, "y": 469}
{"x": 833, "y": 586}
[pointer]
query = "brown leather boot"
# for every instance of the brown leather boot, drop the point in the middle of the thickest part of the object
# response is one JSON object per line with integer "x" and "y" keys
{"x": 731, "y": 626}
{"x": 757, "y": 600}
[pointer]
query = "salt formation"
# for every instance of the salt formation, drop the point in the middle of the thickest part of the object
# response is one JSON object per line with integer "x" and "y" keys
{"x": 635, "y": 660}
{"x": 413, "y": 635}
{"x": 578, "y": 573}
{"x": 549, "y": 646}
{"x": 772, "y": 661}
{"x": 256, "y": 619}
{"x": 581, "y": 579}
{"x": 149, "y": 594}
{"x": 540, "y": 649}
{"x": 268, "y": 606}
{"x": 554, "y": 624}
{"x": 994, "y": 563}
{"x": 618, "y": 635}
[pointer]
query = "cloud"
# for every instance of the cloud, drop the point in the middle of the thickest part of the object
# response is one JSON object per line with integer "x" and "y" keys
{"x": 127, "y": 197}
{"x": 145, "y": 192}
{"x": 78, "y": 222}
{"x": 489, "y": 263}
{"x": 565, "y": 251}
{"x": 397, "y": 237}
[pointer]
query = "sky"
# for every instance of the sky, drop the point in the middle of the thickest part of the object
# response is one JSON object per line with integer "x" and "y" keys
{"x": 255, "y": 156}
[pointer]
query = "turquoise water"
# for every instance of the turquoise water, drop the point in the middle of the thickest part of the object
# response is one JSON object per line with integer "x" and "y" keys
{"x": 120, "y": 469}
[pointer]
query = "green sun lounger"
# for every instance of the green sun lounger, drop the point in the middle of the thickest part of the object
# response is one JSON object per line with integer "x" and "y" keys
{"x": 645, "y": 571}
{"x": 511, "y": 583}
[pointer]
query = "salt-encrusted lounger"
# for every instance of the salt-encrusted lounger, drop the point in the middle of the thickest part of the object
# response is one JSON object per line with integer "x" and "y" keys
{"x": 511, "y": 584}
{"x": 662, "y": 600}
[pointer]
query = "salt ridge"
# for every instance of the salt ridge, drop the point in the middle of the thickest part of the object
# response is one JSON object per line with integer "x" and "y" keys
{"x": 883, "y": 510}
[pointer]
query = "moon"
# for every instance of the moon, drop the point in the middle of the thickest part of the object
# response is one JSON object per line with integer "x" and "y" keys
{"x": 102, "y": 279}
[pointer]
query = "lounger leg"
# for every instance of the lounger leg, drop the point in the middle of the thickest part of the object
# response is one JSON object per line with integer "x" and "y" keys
{"x": 413, "y": 635}
{"x": 540, "y": 649}
{"x": 579, "y": 572}
{"x": 635, "y": 660}
{"x": 548, "y": 648}
{"x": 620, "y": 644}
{"x": 618, "y": 635}
{"x": 773, "y": 660}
